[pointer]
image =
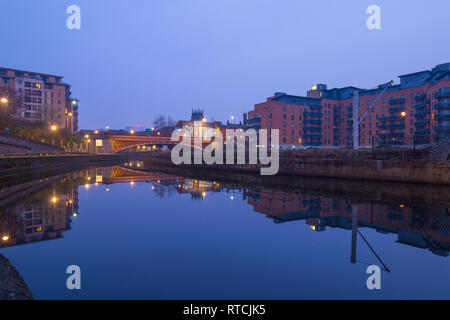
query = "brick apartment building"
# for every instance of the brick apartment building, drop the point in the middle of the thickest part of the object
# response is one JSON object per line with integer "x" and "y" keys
{"x": 45, "y": 98}
{"x": 417, "y": 110}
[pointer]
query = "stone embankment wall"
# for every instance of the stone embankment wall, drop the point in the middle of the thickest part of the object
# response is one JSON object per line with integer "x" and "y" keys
{"x": 416, "y": 171}
{"x": 14, "y": 145}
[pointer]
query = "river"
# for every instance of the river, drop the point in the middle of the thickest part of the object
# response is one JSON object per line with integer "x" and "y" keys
{"x": 148, "y": 235}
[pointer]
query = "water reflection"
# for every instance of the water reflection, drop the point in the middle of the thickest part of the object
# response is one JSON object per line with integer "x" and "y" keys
{"x": 41, "y": 210}
{"x": 47, "y": 213}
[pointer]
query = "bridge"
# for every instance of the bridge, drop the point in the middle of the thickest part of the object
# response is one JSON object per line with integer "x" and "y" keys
{"x": 122, "y": 142}
{"x": 112, "y": 143}
{"x": 106, "y": 143}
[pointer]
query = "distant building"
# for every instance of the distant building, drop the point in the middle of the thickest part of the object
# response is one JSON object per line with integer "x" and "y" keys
{"x": 416, "y": 110}
{"x": 197, "y": 115}
{"x": 46, "y": 98}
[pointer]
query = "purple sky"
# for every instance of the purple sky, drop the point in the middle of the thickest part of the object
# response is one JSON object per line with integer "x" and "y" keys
{"x": 135, "y": 59}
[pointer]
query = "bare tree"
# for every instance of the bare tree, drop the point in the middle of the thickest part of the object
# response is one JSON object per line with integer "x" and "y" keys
{"x": 159, "y": 122}
{"x": 170, "y": 121}
{"x": 10, "y": 102}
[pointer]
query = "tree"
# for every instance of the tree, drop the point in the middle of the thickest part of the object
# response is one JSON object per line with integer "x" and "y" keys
{"x": 10, "y": 103}
{"x": 159, "y": 122}
{"x": 170, "y": 121}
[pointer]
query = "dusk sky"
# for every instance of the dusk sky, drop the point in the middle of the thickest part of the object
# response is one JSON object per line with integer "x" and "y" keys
{"x": 133, "y": 59}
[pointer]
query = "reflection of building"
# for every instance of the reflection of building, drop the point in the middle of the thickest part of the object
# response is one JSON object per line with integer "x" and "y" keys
{"x": 43, "y": 216}
{"x": 419, "y": 227}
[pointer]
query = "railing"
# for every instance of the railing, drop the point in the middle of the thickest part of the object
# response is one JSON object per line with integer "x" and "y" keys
{"x": 442, "y": 105}
{"x": 396, "y": 101}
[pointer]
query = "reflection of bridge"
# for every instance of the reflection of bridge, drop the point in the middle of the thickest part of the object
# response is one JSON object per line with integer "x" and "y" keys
{"x": 121, "y": 174}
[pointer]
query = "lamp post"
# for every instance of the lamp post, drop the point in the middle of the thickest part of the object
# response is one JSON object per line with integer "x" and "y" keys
{"x": 53, "y": 128}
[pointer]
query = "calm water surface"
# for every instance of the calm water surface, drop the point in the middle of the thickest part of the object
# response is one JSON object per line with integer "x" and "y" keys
{"x": 154, "y": 236}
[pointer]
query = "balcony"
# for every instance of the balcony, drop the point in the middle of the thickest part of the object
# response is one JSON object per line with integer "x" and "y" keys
{"x": 312, "y": 136}
{"x": 442, "y": 116}
{"x": 420, "y": 124}
{"x": 310, "y": 121}
{"x": 312, "y": 114}
{"x": 443, "y": 93}
{"x": 423, "y": 132}
{"x": 420, "y": 96}
{"x": 396, "y": 109}
{"x": 420, "y": 106}
{"x": 420, "y": 115}
{"x": 397, "y": 101}
{"x": 392, "y": 135}
{"x": 442, "y": 105}
{"x": 442, "y": 129}
{"x": 394, "y": 118}
{"x": 314, "y": 129}
{"x": 396, "y": 126}
{"x": 316, "y": 107}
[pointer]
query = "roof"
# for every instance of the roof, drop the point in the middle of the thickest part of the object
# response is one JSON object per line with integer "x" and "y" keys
{"x": 27, "y": 71}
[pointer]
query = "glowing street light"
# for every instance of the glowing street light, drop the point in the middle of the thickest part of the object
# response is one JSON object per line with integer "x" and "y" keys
{"x": 132, "y": 131}
{"x": 53, "y": 128}
{"x": 403, "y": 113}
{"x": 54, "y": 199}
{"x": 4, "y": 100}
{"x": 5, "y": 238}
{"x": 96, "y": 131}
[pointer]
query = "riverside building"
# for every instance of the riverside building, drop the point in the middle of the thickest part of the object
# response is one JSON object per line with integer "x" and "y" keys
{"x": 415, "y": 111}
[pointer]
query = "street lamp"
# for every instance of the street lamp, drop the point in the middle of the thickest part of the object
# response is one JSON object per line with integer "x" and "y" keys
{"x": 4, "y": 100}
{"x": 53, "y": 128}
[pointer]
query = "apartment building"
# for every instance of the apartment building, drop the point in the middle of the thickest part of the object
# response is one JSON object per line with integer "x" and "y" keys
{"x": 45, "y": 98}
{"x": 415, "y": 111}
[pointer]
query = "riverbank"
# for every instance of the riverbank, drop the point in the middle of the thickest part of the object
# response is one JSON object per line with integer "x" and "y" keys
{"x": 11, "y": 166}
{"x": 12, "y": 285}
{"x": 409, "y": 171}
